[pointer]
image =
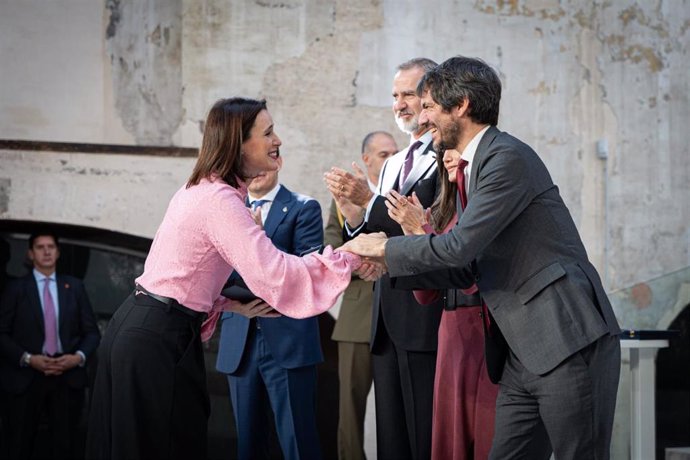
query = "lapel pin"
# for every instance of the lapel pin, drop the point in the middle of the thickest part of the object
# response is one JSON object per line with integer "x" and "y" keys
{"x": 66, "y": 286}
{"x": 285, "y": 209}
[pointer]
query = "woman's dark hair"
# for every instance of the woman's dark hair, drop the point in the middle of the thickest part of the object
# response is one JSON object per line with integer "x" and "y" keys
{"x": 444, "y": 206}
{"x": 227, "y": 126}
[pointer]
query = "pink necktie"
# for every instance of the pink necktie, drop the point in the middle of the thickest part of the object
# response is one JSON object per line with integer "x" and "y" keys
{"x": 409, "y": 160}
{"x": 49, "y": 319}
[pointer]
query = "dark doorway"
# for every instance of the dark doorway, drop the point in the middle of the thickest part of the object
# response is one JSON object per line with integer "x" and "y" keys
{"x": 673, "y": 388}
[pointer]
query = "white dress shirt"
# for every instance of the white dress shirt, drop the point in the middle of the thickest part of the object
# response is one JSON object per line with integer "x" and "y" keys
{"x": 468, "y": 155}
{"x": 270, "y": 196}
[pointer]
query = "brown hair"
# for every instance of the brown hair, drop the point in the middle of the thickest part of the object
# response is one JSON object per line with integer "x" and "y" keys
{"x": 444, "y": 207}
{"x": 227, "y": 126}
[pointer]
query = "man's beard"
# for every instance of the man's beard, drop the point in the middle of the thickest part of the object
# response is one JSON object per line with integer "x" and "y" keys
{"x": 409, "y": 127}
{"x": 449, "y": 139}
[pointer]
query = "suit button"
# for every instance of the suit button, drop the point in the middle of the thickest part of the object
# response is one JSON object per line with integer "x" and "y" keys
{"x": 476, "y": 277}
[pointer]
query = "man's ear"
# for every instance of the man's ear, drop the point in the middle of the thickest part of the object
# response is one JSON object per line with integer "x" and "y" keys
{"x": 30, "y": 254}
{"x": 463, "y": 108}
{"x": 366, "y": 159}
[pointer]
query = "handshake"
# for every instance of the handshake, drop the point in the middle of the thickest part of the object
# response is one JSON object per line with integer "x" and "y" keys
{"x": 370, "y": 247}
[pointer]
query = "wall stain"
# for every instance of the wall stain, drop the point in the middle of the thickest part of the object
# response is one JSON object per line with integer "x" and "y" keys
{"x": 278, "y": 4}
{"x": 541, "y": 89}
{"x": 5, "y": 189}
{"x": 114, "y": 7}
{"x": 515, "y": 8}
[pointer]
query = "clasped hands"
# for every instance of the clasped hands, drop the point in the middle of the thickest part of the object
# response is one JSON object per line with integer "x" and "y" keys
{"x": 50, "y": 366}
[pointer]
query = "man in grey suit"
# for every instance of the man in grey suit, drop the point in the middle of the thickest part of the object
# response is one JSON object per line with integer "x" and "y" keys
{"x": 516, "y": 238}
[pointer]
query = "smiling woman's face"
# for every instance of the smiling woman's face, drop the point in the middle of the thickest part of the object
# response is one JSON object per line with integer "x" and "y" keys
{"x": 260, "y": 151}
{"x": 451, "y": 159}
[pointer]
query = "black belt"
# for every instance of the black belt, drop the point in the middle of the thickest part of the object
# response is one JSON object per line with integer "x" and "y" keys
{"x": 170, "y": 303}
{"x": 455, "y": 298}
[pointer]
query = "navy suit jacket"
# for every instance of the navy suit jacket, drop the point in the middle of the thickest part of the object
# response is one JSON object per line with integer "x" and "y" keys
{"x": 295, "y": 225}
{"x": 22, "y": 329}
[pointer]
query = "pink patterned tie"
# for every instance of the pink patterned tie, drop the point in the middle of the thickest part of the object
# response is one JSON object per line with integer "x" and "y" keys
{"x": 49, "y": 319}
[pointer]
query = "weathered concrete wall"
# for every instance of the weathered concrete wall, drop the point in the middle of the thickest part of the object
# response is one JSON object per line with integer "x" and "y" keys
{"x": 125, "y": 193}
{"x": 54, "y": 78}
{"x": 574, "y": 74}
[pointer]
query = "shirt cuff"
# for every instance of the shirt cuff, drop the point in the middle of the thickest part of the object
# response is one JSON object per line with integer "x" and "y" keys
{"x": 352, "y": 231}
{"x": 83, "y": 358}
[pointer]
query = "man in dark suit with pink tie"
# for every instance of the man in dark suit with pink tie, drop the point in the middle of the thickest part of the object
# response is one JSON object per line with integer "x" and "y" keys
{"x": 47, "y": 333}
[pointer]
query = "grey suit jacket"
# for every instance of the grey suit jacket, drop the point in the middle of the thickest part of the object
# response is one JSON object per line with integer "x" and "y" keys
{"x": 529, "y": 262}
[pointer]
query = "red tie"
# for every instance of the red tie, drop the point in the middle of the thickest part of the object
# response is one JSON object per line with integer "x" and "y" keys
{"x": 462, "y": 190}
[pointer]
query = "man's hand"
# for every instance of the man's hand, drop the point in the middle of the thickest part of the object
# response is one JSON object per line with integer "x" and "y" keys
{"x": 353, "y": 187}
{"x": 67, "y": 362}
{"x": 408, "y": 212}
{"x": 256, "y": 307}
{"x": 370, "y": 270}
{"x": 45, "y": 365}
{"x": 256, "y": 216}
{"x": 371, "y": 245}
{"x": 353, "y": 214}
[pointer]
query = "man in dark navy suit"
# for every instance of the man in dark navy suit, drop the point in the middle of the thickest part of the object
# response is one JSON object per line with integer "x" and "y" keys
{"x": 47, "y": 333}
{"x": 273, "y": 360}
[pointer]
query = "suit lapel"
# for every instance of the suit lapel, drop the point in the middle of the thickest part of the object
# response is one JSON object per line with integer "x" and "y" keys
{"x": 484, "y": 144}
{"x": 35, "y": 301}
{"x": 427, "y": 160}
{"x": 482, "y": 148}
{"x": 279, "y": 209}
{"x": 390, "y": 172}
{"x": 62, "y": 288}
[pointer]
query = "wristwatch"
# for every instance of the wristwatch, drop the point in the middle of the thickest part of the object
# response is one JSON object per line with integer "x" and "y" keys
{"x": 27, "y": 359}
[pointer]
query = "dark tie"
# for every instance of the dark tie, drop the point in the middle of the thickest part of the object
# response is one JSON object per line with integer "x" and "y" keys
{"x": 258, "y": 203}
{"x": 49, "y": 319}
{"x": 409, "y": 161}
{"x": 462, "y": 190}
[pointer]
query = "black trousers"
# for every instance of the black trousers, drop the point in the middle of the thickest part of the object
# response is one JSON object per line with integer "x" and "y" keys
{"x": 404, "y": 388}
{"x": 52, "y": 398}
{"x": 150, "y": 399}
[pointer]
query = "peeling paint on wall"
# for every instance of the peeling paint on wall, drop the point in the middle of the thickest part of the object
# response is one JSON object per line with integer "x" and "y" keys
{"x": 5, "y": 186}
{"x": 143, "y": 40}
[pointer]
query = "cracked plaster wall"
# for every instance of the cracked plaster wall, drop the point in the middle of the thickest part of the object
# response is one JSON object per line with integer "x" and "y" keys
{"x": 574, "y": 73}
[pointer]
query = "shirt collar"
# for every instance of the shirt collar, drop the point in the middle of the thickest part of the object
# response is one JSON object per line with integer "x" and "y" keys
{"x": 40, "y": 276}
{"x": 270, "y": 196}
{"x": 471, "y": 148}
